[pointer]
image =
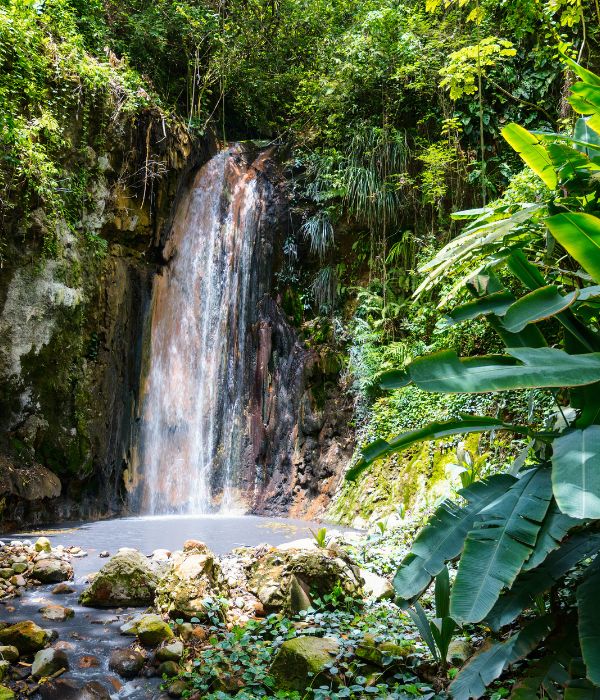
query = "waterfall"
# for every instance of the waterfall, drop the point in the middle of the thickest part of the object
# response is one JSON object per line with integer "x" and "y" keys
{"x": 193, "y": 396}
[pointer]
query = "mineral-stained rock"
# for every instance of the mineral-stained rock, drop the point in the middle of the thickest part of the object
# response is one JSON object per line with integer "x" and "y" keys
{"x": 69, "y": 689}
{"x": 56, "y": 612}
{"x": 286, "y": 580}
{"x": 126, "y": 662}
{"x": 194, "y": 576}
{"x": 62, "y": 588}
{"x": 52, "y": 570}
{"x": 48, "y": 661}
{"x": 26, "y": 636}
{"x": 128, "y": 579}
{"x": 302, "y": 662}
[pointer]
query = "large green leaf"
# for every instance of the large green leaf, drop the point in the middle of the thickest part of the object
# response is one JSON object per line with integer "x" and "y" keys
{"x": 523, "y": 368}
{"x": 433, "y": 431}
{"x": 490, "y": 663}
{"x": 576, "y": 472}
{"x": 532, "y": 583}
{"x": 554, "y": 529}
{"x": 568, "y": 162}
{"x": 497, "y": 303}
{"x": 579, "y": 235}
{"x": 589, "y": 621}
{"x": 442, "y": 539}
{"x": 586, "y": 75}
{"x": 531, "y": 149}
{"x": 500, "y": 542}
{"x": 536, "y": 306}
{"x": 588, "y": 139}
{"x": 585, "y": 99}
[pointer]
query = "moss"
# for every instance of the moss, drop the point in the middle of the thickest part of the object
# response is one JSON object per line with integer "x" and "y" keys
{"x": 415, "y": 478}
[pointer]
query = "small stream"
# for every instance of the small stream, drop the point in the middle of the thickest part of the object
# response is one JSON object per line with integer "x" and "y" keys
{"x": 91, "y": 635}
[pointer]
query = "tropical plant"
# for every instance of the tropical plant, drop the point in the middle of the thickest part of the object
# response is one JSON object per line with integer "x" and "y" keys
{"x": 536, "y": 281}
{"x": 437, "y": 633}
{"x": 320, "y": 537}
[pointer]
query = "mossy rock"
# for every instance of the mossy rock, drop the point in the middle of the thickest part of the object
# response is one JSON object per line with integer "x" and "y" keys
{"x": 128, "y": 579}
{"x": 26, "y": 636}
{"x": 304, "y": 661}
{"x": 152, "y": 630}
{"x": 376, "y": 652}
{"x": 6, "y": 693}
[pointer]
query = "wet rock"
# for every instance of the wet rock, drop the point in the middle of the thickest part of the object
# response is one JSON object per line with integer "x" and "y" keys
{"x": 4, "y": 669}
{"x": 168, "y": 669}
{"x": 127, "y": 579}
{"x": 94, "y": 691}
{"x": 9, "y": 653}
{"x": 62, "y": 589}
{"x": 19, "y": 567}
{"x": 26, "y": 636}
{"x": 61, "y": 689}
{"x": 48, "y": 661}
{"x": 152, "y": 630}
{"x": 194, "y": 576}
{"x": 56, "y": 612}
{"x": 302, "y": 662}
{"x": 6, "y": 693}
{"x": 126, "y": 662}
{"x": 6, "y": 572}
{"x": 43, "y": 544}
{"x": 286, "y": 580}
{"x": 104, "y": 555}
{"x": 88, "y": 661}
{"x": 52, "y": 570}
{"x": 173, "y": 651}
{"x": 376, "y": 587}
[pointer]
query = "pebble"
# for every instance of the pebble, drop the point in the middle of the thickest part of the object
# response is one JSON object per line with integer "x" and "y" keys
{"x": 104, "y": 555}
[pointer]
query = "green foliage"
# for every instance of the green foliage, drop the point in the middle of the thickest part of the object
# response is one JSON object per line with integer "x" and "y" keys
{"x": 519, "y": 544}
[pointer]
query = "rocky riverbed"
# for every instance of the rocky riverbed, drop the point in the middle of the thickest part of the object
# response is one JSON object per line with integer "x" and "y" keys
{"x": 190, "y": 623}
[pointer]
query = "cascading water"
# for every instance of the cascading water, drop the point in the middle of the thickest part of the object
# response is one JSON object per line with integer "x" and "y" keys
{"x": 192, "y": 425}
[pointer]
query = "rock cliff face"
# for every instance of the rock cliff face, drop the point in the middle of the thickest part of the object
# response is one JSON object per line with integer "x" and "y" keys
{"x": 71, "y": 325}
{"x": 74, "y": 339}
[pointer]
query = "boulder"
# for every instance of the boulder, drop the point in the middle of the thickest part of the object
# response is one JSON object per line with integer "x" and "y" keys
{"x": 56, "y": 612}
{"x": 26, "y": 636}
{"x": 128, "y": 579}
{"x": 126, "y": 662}
{"x": 303, "y": 662}
{"x": 376, "y": 587}
{"x": 6, "y": 693}
{"x": 172, "y": 651}
{"x": 62, "y": 589}
{"x": 152, "y": 630}
{"x": 9, "y": 653}
{"x": 177, "y": 689}
{"x": 194, "y": 576}
{"x": 48, "y": 661}
{"x": 286, "y": 580}
{"x": 68, "y": 689}
{"x": 52, "y": 570}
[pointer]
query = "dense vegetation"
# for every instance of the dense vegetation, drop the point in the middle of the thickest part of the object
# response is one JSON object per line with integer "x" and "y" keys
{"x": 403, "y": 119}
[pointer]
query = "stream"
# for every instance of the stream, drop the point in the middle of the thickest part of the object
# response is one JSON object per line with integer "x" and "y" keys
{"x": 89, "y": 637}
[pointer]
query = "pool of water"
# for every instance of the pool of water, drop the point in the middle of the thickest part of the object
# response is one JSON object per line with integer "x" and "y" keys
{"x": 91, "y": 635}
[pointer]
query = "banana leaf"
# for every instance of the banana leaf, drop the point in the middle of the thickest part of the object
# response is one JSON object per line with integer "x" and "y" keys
{"x": 576, "y": 472}
{"x": 532, "y": 150}
{"x": 589, "y": 621}
{"x": 498, "y": 545}
{"x": 579, "y": 235}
